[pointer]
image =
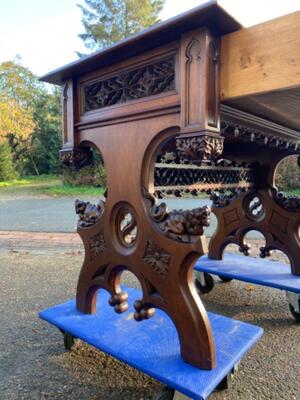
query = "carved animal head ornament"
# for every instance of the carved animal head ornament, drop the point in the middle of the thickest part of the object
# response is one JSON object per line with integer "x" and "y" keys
{"x": 291, "y": 203}
{"x": 88, "y": 213}
{"x": 181, "y": 225}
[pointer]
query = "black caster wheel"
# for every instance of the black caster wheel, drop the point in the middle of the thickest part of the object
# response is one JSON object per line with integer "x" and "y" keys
{"x": 166, "y": 394}
{"x": 226, "y": 383}
{"x": 294, "y": 313}
{"x": 205, "y": 285}
{"x": 225, "y": 280}
{"x": 69, "y": 340}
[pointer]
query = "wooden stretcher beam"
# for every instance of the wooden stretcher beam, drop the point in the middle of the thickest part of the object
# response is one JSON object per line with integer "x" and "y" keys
{"x": 260, "y": 59}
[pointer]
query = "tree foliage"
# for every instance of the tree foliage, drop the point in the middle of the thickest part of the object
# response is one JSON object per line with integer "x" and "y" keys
{"x": 18, "y": 91}
{"x": 18, "y": 83}
{"x": 30, "y": 120}
{"x": 108, "y": 21}
{"x": 7, "y": 170}
{"x": 288, "y": 174}
{"x": 15, "y": 120}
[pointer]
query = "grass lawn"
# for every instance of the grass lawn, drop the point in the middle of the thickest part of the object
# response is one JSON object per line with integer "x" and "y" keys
{"x": 30, "y": 181}
{"x": 48, "y": 184}
{"x": 68, "y": 190}
{"x": 52, "y": 185}
{"x": 295, "y": 192}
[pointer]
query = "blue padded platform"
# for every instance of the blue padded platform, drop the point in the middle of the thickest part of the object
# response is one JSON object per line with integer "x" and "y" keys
{"x": 152, "y": 346}
{"x": 254, "y": 270}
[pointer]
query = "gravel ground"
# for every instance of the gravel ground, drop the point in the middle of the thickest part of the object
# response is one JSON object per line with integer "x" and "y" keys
{"x": 35, "y": 366}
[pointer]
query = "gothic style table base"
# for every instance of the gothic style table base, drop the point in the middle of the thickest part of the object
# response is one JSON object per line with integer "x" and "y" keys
{"x": 152, "y": 352}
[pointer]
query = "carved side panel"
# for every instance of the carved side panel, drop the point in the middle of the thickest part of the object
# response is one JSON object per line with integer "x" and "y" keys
{"x": 277, "y": 217}
{"x": 199, "y": 82}
{"x": 131, "y": 85}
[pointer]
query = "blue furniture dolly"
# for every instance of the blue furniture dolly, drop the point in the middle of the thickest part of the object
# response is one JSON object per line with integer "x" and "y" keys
{"x": 253, "y": 270}
{"x": 155, "y": 350}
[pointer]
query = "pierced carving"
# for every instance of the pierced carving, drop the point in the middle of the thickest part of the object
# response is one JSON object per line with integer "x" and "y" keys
{"x": 76, "y": 157}
{"x": 203, "y": 147}
{"x": 88, "y": 213}
{"x": 142, "y": 82}
{"x": 97, "y": 245}
{"x": 158, "y": 258}
{"x": 126, "y": 226}
{"x": 179, "y": 177}
{"x": 258, "y": 210}
{"x": 254, "y": 206}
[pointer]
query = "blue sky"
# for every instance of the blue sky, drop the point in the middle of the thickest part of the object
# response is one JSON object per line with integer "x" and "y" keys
{"x": 45, "y": 32}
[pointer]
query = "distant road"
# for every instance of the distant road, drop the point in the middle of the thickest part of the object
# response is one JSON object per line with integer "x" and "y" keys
{"x": 35, "y": 214}
{"x": 47, "y": 214}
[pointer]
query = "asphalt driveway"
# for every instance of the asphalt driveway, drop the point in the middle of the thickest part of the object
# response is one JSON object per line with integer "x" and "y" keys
{"x": 48, "y": 214}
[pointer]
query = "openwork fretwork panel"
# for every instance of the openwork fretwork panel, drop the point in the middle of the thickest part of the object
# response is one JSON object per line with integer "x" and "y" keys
{"x": 173, "y": 177}
{"x": 141, "y": 82}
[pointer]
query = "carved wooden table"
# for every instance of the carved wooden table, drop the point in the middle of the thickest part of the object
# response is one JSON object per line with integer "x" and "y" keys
{"x": 151, "y": 105}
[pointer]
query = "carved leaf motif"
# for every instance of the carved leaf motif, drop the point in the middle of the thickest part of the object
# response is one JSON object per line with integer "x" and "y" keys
{"x": 97, "y": 245}
{"x": 201, "y": 148}
{"x": 158, "y": 258}
{"x": 146, "y": 81}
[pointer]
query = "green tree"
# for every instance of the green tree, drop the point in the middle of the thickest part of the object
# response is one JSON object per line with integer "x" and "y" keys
{"x": 18, "y": 91}
{"x": 18, "y": 83}
{"x": 108, "y": 21}
{"x": 29, "y": 120}
{"x": 7, "y": 170}
{"x": 47, "y": 138}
